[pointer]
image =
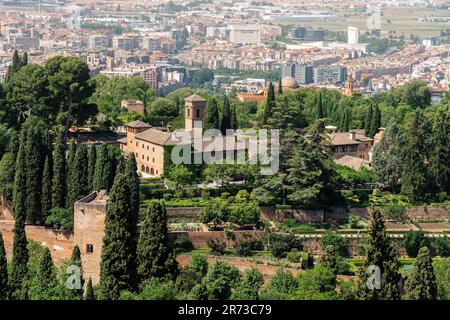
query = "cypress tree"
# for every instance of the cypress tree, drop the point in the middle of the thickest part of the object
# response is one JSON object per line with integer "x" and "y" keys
{"x": 382, "y": 254}
{"x": 415, "y": 155}
{"x": 421, "y": 283}
{"x": 211, "y": 117}
{"x": 440, "y": 153}
{"x": 133, "y": 182}
{"x": 59, "y": 182}
{"x": 111, "y": 165}
{"x": 15, "y": 65}
{"x": 154, "y": 254}
{"x": 270, "y": 103}
{"x": 89, "y": 291}
{"x": 24, "y": 59}
{"x": 33, "y": 176}
{"x": 233, "y": 119}
{"x": 320, "y": 114}
{"x": 76, "y": 260}
{"x": 121, "y": 165}
{"x": 375, "y": 122}
{"x": 368, "y": 121}
{"x": 102, "y": 169}
{"x": 46, "y": 198}
{"x": 3, "y": 271}
{"x": 78, "y": 183}
{"x": 117, "y": 268}
{"x": 92, "y": 158}
{"x": 20, "y": 251}
{"x": 329, "y": 257}
{"x": 280, "y": 87}
{"x": 47, "y": 274}
{"x": 225, "y": 122}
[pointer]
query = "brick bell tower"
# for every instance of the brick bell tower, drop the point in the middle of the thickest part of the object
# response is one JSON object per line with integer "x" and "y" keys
{"x": 194, "y": 110}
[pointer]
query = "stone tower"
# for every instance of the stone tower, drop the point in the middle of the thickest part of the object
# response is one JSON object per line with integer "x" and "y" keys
{"x": 348, "y": 91}
{"x": 194, "y": 110}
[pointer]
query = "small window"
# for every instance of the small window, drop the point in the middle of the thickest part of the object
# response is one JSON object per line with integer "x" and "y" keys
{"x": 137, "y": 144}
{"x": 143, "y": 157}
{"x": 198, "y": 113}
{"x": 142, "y": 146}
{"x": 153, "y": 149}
{"x": 89, "y": 248}
{"x": 147, "y": 158}
{"x": 153, "y": 160}
{"x": 189, "y": 112}
{"x": 147, "y": 147}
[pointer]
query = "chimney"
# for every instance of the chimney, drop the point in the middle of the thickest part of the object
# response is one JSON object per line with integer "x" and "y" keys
{"x": 352, "y": 135}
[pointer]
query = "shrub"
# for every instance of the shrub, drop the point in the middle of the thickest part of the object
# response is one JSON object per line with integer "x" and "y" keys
{"x": 442, "y": 246}
{"x": 395, "y": 212}
{"x": 245, "y": 247}
{"x": 183, "y": 242}
{"x": 353, "y": 221}
{"x": 217, "y": 246}
{"x": 205, "y": 194}
{"x": 339, "y": 242}
{"x": 279, "y": 245}
{"x": 167, "y": 196}
{"x": 307, "y": 260}
{"x": 60, "y": 219}
{"x": 294, "y": 256}
{"x": 242, "y": 195}
{"x": 225, "y": 195}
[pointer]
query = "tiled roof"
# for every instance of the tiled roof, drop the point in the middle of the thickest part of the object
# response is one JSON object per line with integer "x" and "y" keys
{"x": 343, "y": 138}
{"x": 156, "y": 136}
{"x": 352, "y": 162}
{"x": 138, "y": 124}
{"x": 195, "y": 98}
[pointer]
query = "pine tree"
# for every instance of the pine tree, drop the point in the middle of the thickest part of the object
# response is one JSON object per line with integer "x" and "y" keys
{"x": 375, "y": 122}
{"x": 415, "y": 154}
{"x": 92, "y": 158}
{"x": 33, "y": 175}
{"x": 117, "y": 268}
{"x": 320, "y": 114}
{"x": 225, "y": 122}
{"x": 382, "y": 254}
{"x": 280, "y": 87}
{"x": 368, "y": 120}
{"x": 78, "y": 175}
{"x": 154, "y": 255}
{"x": 102, "y": 169}
{"x": 270, "y": 104}
{"x": 20, "y": 250}
{"x": 46, "y": 197}
{"x": 211, "y": 117}
{"x": 89, "y": 291}
{"x": 59, "y": 182}
{"x": 421, "y": 282}
{"x": 3, "y": 271}
{"x": 76, "y": 260}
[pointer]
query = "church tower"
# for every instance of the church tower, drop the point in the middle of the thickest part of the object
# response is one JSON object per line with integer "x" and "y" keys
{"x": 194, "y": 110}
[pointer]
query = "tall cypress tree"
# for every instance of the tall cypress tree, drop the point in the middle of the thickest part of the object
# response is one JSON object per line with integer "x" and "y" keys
{"x": 375, "y": 122}
{"x": 46, "y": 198}
{"x": 233, "y": 119}
{"x": 211, "y": 117}
{"x": 225, "y": 122}
{"x": 59, "y": 182}
{"x": 368, "y": 120}
{"x": 382, "y": 254}
{"x": 89, "y": 291}
{"x": 33, "y": 175}
{"x": 421, "y": 283}
{"x": 20, "y": 251}
{"x": 78, "y": 183}
{"x": 270, "y": 103}
{"x": 121, "y": 165}
{"x": 76, "y": 260}
{"x": 320, "y": 113}
{"x": 117, "y": 268}
{"x": 154, "y": 255}
{"x": 415, "y": 156}
{"x": 46, "y": 277}
{"x": 133, "y": 182}
{"x": 3, "y": 271}
{"x": 100, "y": 181}
{"x": 440, "y": 153}
{"x": 280, "y": 87}
{"x": 15, "y": 65}
{"x": 92, "y": 158}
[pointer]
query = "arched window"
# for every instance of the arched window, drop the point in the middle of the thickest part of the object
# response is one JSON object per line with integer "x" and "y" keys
{"x": 152, "y": 172}
{"x": 146, "y": 170}
{"x": 189, "y": 112}
{"x": 143, "y": 168}
{"x": 198, "y": 113}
